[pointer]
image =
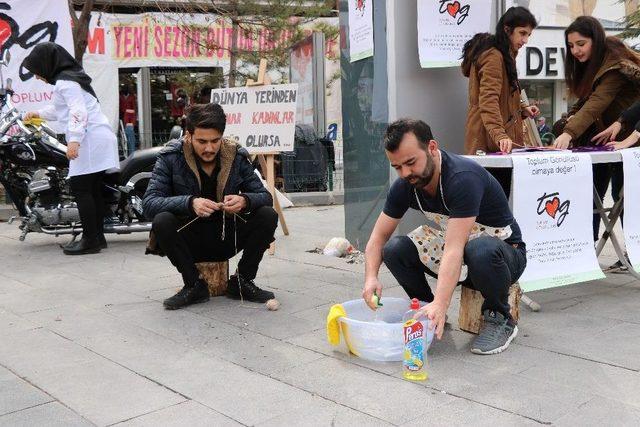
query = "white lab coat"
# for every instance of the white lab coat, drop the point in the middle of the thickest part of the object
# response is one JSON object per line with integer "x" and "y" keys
{"x": 84, "y": 122}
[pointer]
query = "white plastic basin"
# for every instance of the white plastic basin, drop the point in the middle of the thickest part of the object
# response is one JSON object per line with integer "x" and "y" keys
{"x": 379, "y": 339}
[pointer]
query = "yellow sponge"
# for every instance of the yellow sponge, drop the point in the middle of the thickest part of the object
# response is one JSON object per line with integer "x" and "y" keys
{"x": 333, "y": 323}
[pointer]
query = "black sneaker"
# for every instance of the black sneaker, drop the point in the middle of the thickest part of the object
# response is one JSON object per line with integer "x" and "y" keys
{"x": 240, "y": 288}
{"x": 496, "y": 334}
{"x": 187, "y": 296}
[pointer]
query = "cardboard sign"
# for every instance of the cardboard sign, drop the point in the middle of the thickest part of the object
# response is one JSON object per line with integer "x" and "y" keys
{"x": 553, "y": 204}
{"x": 261, "y": 118}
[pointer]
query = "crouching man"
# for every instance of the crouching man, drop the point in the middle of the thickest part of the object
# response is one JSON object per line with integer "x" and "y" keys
{"x": 206, "y": 177}
{"x": 469, "y": 234}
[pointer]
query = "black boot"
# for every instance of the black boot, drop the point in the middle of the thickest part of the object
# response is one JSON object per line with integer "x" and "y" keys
{"x": 83, "y": 246}
{"x": 240, "y": 288}
{"x": 102, "y": 240}
{"x": 188, "y": 295}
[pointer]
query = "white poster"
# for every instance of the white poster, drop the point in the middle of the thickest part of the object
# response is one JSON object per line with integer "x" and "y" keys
{"x": 631, "y": 167}
{"x": 445, "y": 26}
{"x": 360, "y": 29}
{"x": 301, "y": 65}
{"x": 261, "y": 118}
{"x": 553, "y": 204}
{"x": 21, "y": 28}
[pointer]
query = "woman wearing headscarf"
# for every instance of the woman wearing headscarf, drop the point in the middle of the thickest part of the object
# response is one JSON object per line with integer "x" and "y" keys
{"x": 91, "y": 144}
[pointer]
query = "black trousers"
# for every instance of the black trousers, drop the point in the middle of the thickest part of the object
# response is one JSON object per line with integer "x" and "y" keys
{"x": 87, "y": 190}
{"x": 202, "y": 240}
{"x": 493, "y": 266}
{"x": 602, "y": 174}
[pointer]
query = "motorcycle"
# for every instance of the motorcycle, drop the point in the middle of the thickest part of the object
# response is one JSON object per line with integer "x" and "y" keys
{"x": 33, "y": 171}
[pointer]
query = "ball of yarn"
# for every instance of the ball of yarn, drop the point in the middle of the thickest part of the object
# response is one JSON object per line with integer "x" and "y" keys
{"x": 273, "y": 304}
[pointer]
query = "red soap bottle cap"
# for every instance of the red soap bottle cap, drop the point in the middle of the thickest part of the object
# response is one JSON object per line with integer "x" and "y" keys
{"x": 415, "y": 304}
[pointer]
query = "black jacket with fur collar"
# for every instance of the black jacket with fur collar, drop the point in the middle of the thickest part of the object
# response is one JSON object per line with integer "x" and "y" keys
{"x": 175, "y": 180}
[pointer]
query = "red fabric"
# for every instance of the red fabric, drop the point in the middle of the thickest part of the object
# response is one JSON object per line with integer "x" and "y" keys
{"x": 128, "y": 105}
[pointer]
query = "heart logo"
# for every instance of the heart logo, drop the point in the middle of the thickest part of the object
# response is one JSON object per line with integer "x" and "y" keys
{"x": 453, "y": 8}
{"x": 551, "y": 206}
{"x": 5, "y": 32}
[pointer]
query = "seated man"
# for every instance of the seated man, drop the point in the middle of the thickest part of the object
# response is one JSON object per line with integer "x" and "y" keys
{"x": 211, "y": 178}
{"x": 453, "y": 193}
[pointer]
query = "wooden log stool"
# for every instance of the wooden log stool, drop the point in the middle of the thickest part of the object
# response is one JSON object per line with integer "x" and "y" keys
{"x": 216, "y": 275}
{"x": 470, "y": 316}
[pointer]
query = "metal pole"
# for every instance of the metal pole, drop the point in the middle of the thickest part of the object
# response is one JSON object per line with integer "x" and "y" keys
{"x": 144, "y": 107}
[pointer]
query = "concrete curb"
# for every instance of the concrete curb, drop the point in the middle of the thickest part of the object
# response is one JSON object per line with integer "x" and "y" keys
{"x": 317, "y": 198}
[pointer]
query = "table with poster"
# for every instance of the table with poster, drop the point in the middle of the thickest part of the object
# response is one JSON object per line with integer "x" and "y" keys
{"x": 554, "y": 211}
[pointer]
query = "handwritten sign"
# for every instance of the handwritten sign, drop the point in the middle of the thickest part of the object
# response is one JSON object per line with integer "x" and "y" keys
{"x": 631, "y": 228}
{"x": 444, "y": 26}
{"x": 261, "y": 118}
{"x": 552, "y": 202}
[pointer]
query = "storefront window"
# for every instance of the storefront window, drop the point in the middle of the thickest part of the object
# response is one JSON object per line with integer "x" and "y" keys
{"x": 172, "y": 90}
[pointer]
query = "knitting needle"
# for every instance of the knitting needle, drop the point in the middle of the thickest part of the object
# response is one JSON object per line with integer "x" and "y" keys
{"x": 196, "y": 218}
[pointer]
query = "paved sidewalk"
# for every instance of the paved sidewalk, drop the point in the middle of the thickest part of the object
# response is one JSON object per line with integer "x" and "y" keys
{"x": 85, "y": 341}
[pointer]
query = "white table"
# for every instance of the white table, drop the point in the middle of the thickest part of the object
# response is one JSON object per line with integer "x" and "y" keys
{"x": 609, "y": 215}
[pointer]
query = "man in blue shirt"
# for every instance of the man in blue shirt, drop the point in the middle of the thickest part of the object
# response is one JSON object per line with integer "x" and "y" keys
{"x": 477, "y": 239}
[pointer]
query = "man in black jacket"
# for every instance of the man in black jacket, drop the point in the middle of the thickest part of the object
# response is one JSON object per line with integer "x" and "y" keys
{"x": 208, "y": 177}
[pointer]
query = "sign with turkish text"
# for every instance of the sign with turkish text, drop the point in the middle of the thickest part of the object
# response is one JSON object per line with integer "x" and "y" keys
{"x": 553, "y": 204}
{"x": 444, "y": 27}
{"x": 261, "y": 118}
{"x": 631, "y": 228}
{"x": 21, "y": 28}
{"x": 360, "y": 29}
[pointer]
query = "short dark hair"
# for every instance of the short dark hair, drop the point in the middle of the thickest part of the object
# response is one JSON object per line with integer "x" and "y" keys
{"x": 397, "y": 130}
{"x": 205, "y": 116}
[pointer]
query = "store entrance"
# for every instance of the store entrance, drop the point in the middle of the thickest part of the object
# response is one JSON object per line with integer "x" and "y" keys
{"x": 174, "y": 89}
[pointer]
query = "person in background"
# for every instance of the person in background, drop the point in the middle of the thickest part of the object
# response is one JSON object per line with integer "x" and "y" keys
{"x": 543, "y": 127}
{"x": 604, "y": 74}
{"x": 128, "y": 106}
{"x": 92, "y": 147}
{"x": 494, "y": 121}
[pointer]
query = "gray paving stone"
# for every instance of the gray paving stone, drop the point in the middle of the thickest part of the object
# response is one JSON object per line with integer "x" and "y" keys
{"x": 316, "y": 411}
{"x": 600, "y": 412}
{"x": 465, "y": 413}
{"x": 18, "y": 394}
{"x": 188, "y": 413}
{"x": 362, "y": 389}
{"x": 259, "y": 353}
{"x": 51, "y": 415}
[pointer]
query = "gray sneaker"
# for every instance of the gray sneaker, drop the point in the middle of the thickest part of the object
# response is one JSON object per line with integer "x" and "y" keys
{"x": 495, "y": 335}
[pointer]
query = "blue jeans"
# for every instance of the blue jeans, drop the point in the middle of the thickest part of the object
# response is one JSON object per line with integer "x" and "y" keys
{"x": 131, "y": 138}
{"x": 493, "y": 266}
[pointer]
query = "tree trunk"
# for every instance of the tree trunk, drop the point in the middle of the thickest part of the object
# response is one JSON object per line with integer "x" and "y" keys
{"x": 80, "y": 28}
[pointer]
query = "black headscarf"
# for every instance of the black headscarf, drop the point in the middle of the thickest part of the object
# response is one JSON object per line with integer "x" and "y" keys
{"x": 52, "y": 62}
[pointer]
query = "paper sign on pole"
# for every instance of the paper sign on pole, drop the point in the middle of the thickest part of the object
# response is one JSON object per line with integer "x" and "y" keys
{"x": 631, "y": 228}
{"x": 261, "y": 118}
{"x": 445, "y": 26}
{"x": 553, "y": 204}
{"x": 360, "y": 29}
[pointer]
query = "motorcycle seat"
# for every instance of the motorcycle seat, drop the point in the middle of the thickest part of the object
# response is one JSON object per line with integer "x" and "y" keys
{"x": 139, "y": 161}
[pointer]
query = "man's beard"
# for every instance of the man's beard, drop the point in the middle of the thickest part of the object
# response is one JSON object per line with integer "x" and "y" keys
{"x": 425, "y": 177}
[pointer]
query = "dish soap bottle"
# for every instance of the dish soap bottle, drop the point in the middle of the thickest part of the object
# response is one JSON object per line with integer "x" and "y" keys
{"x": 415, "y": 337}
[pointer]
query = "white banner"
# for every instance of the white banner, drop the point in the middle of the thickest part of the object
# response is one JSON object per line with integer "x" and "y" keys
{"x": 631, "y": 228}
{"x": 553, "y": 204}
{"x": 445, "y": 26}
{"x": 261, "y": 118}
{"x": 21, "y": 28}
{"x": 360, "y": 29}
